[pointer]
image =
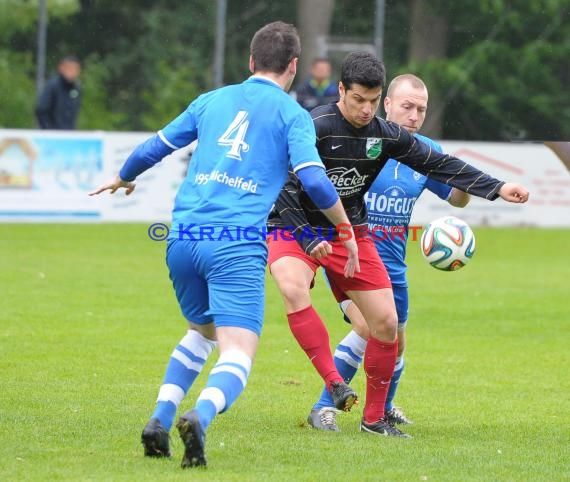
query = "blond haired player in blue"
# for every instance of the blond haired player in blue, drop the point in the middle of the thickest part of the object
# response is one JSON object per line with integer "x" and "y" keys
{"x": 248, "y": 135}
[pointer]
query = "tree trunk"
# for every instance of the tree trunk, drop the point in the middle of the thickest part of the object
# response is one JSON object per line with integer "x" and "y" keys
{"x": 428, "y": 40}
{"x": 314, "y": 22}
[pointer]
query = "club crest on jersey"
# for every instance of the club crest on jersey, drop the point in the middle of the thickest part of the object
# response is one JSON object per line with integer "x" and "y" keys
{"x": 373, "y": 147}
{"x": 417, "y": 176}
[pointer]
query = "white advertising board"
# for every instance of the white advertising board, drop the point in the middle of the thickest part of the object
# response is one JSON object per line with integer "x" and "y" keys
{"x": 45, "y": 177}
{"x": 156, "y": 188}
{"x": 532, "y": 165}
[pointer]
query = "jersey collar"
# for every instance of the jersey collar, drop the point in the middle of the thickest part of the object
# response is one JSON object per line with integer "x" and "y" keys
{"x": 264, "y": 78}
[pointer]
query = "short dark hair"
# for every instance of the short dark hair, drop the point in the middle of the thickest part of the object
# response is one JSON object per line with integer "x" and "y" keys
{"x": 364, "y": 69}
{"x": 274, "y": 46}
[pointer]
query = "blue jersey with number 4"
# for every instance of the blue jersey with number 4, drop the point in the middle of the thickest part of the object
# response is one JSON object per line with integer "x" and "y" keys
{"x": 248, "y": 136}
{"x": 390, "y": 201}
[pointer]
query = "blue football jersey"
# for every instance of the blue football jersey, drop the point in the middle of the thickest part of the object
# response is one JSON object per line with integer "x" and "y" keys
{"x": 390, "y": 201}
{"x": 248, "y": 136}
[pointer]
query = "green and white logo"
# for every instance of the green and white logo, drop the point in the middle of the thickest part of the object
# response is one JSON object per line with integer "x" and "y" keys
{"x": 373, "y": 147}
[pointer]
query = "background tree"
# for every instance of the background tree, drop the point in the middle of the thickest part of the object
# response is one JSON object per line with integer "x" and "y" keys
{"x": 496, "y": 70}
{"x": 314, "y": 24}
{"x": 18, "y": 22}
{"x": 429, "y": 32}
{"x": 242, "y": 23}
{"x": 144, "y": 60}
{"x": 505, "y": 70}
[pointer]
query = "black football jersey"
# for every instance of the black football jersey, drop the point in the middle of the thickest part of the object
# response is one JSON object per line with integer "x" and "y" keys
{"x": 353, "y": 157}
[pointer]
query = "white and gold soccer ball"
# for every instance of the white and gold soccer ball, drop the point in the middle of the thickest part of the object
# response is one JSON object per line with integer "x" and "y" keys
{"x": 448, "y": 243}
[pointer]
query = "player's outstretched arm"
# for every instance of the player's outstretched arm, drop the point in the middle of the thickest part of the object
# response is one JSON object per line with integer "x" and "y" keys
{"x": 142, "y": 158}
{"x": 513, "y": 193}
{"x": 451, "y": 170}
{"x": 113, "y": 185}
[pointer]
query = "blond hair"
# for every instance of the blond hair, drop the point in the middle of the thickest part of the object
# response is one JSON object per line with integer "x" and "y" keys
{"x": 414, "y": 80}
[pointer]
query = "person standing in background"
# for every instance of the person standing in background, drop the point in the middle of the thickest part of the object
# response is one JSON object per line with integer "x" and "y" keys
{"x": 318, "y": 89}
{"x": 59, "y": 103}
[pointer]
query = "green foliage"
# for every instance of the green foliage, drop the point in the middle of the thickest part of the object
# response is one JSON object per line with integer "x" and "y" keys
{"x": 242, "y": 24}
{"x": 18, "y": 98}
{"x": 507, "y": 72}
{"x": 21, "y": 16}
{"x": 18, "y": 22}
{"x": 96, "y": 110}
{"x": 169, "y": 93}
{"x": 354, "y": 19}
{"x": 151, "y": 61}
{"x": 486, "y": 378}
{"x": 505, "y": 75}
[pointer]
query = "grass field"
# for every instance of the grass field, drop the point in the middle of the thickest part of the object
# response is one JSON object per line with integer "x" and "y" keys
{"x": 88, "y": 320}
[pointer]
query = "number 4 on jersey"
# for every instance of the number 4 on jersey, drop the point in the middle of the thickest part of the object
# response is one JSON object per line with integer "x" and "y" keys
{"x": 235, "y": 136}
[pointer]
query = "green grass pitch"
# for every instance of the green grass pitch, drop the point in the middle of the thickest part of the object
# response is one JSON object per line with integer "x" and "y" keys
{"x": 89, "y": 319}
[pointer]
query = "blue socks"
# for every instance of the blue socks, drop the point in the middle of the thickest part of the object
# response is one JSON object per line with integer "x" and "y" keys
{"x": 398, "y": 369}
{"x": 227, "y": 380}
{"x": 186, "y": 362}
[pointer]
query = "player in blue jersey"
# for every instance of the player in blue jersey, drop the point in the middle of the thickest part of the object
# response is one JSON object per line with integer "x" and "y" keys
{"x": 390, "y": 201}
{"x": 248, "y": 135}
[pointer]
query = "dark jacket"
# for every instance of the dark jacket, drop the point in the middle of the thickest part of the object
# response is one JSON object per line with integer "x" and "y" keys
{"x": 311, "y": 96}
{"x": 58, "y": 104}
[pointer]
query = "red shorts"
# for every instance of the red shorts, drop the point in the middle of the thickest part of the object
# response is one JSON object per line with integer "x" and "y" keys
{"x": 372, "y": 276}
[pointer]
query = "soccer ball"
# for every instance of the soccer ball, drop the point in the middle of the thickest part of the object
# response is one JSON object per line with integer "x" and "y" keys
{"x": 448, "y": 243}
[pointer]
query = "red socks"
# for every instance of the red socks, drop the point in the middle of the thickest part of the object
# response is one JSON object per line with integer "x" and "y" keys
{"x": 379, "y": 362}
{"x": 311, "y": 334}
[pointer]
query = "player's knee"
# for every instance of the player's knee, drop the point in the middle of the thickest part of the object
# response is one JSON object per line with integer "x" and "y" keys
{"x": 384, "y": 326}
{"x": 295, "y": 293}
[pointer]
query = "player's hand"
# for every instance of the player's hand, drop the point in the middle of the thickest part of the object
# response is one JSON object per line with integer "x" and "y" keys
{"x": 113, "y": 185}
{"x": 321, "y": 250}
{"x": 513, "y": 193}
{"x": 352, "y": 264}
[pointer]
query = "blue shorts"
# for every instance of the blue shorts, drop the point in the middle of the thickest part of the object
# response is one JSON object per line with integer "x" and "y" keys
{"x": 402, "y": 304}
{"x": 219, "y": 281}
